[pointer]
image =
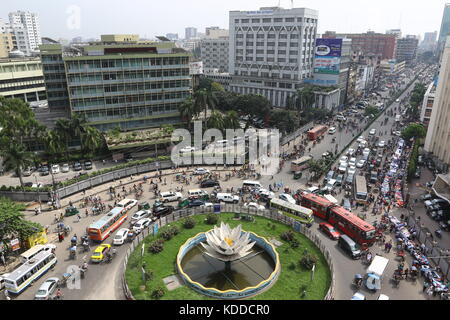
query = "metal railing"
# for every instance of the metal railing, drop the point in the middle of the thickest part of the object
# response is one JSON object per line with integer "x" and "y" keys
{"x": 229, "y": 208}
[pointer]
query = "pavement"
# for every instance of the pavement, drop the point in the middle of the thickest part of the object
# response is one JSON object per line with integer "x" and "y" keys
{"x": 102, "y": 281}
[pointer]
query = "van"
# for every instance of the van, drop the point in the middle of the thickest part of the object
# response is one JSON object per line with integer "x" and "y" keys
{"x": 197, "y": 194}
{"x": 127, "y": 203}
{"x": 252, "y": 184}
{"x": 349, "y": 246}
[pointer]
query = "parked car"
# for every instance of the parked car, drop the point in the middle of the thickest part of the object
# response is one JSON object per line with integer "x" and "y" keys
{"x": 77, "y": 166}
{"x": 46, "y": 289}
{"x": 55, "y": 169}
{"x": 121, "y": 236}
{"x": 360, "y": 139}
{"x": 209, "y": 184}
{"x": 361, "y": 163}
{"x": 329, "y": 186}
{"x": 349, "y": 179}
{"x": 352, "y": 162}
{"x": 373, "y": 132}
{"x": 254, "y": 205}
{"x": 339, "y": 180}
{"x": 350, "y": 152}
{"x": 65, "y": 168}
{"x": 351, "y": 170}
{"x": 45, "y": 171}
{"x": 329, "y": 176}
{"x": 27, "y": 172}
{"x": 200, "y": 171}
{"x": 381, "y": 144}
{"x": 196, "y": 203}
{"x": 88, "y": 165}
{"x": 329, "y": 230}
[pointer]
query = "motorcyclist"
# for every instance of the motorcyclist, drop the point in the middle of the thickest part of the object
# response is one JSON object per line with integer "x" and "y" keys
{"x": 114, "y": 251}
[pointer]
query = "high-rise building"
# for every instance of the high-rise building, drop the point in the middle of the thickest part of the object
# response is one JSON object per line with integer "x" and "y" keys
{"x": 7, "y": 44}
{"x": 130, "y": 84}
{"x": 427, "y": 105}
{"x": 216, "y": 32}
{"x": 190, "y": 33}
{"x": 429, "y": 41}
{"x": 26, "y": 28}
{"x": 380, "y": 45}
{"x": 214, "y": 54}
{"x": 172, "y": 36}
{"x": 271, "y": 51}
{"x": 437, "y": 141}
{"x": 407, "y": 49}
{"x": 445, "y": 29}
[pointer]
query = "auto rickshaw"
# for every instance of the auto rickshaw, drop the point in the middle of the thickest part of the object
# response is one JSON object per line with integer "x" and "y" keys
{"x": 298, "y": 175}
{"x": 71, "y": 211}
{"x": 144, "y": 206}
{"x": 183, "y": 203}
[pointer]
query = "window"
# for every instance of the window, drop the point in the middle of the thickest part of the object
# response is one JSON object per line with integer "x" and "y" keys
{"x": 283, "y": 36}
{"x": 278, "y": 20}
{"x": 270, "y": 51}
{"x": 256, "y": 20}
{"x": 282, "y": 44}
{"x": 281, "y": 51}
{"x": 260, "y": 36}
{"x": 267, "y": 20}
{"x": 245, "y": 21}
{"x": 271, "y": 36}
{"x": 271, "y": 44}
{"x": 250, "y": 36}
{"x": 290, "y": 19}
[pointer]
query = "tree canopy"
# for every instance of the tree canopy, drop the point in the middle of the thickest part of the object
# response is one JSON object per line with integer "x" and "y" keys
{"x": 414, "y": 130}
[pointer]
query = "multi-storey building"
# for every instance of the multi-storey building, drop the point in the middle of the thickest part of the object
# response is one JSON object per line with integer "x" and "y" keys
{"x": 437, "y": 141}
{"x": 130, "y": 85}
{"x": 271, "y": 51}
{"x": 427, "y": 106}
{"x": 172, "y": 36}
{"x": 407, "y": 49}
{"x": 216, "y": 33}
{"x": 381, "y": 45}
{"x": 445, "y": 29}
{"x": 7, "y": 44}
{"x": 22, "y": 78}
{"x": 214, "y": 53}
{"x": 26, "y": 28}
{"x": 190, "y": 33}
{"x": 429, "y": 41}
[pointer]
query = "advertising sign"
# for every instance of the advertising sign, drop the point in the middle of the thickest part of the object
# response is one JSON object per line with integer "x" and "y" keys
{"x": 328, "y": 56}
{"x": 15, "y": 244}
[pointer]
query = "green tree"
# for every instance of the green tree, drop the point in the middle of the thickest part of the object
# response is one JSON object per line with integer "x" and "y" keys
{"x": 414, "y": 130}
{"x": 204, "y": 99}
{"x": 216, "y": 121}
{"x": 231, "y": 120}
{"x": 54, "y": 143}
{"x": 284, "y": 120}
{"x": 91, "y": 139}
{"x": 371, "y": 110}
{"x": 17, "y": 158}
{"x": 64, "y": 128}
{"x": 12, "y": 222}
{"x": 188, "y": 110}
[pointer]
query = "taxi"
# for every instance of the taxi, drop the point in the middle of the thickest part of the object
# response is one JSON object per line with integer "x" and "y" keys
{"x": 100, "y": 252}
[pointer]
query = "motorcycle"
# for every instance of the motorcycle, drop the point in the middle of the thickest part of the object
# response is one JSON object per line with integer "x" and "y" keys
{"x": 438, "y": 233}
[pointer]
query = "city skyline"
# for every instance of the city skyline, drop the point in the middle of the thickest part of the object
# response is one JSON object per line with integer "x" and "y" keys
{"x": 60, "y": 19}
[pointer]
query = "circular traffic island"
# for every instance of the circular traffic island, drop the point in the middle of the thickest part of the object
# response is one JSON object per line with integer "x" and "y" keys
{"x": 221, "y": 257}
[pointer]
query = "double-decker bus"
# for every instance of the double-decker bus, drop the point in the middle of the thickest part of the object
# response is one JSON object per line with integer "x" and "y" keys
{"x": 30, "y": 271}
{"x": 301, "y": 164}
{"x": 103, "y": 228}
{"x": 317, "y": 132}
{"x": 299, "y": 213}
{"x": 360, "y": 190}
{"x": 359, "y": 230}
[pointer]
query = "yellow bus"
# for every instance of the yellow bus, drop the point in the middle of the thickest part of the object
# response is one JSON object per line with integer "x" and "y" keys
{"x": 299, "y": 213}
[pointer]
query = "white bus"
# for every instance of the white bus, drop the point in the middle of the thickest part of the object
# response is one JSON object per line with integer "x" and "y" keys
{"x": 30, "y": 271}
{"x": 360, "y": 190}
{"x": 27, "y": 255}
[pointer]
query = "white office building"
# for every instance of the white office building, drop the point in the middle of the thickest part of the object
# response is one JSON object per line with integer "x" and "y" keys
{"x": 25, "y": 26}
{"x": 190, "y": 33}
{"x": 271, "y": 51}
{"x": 214, "y": 53}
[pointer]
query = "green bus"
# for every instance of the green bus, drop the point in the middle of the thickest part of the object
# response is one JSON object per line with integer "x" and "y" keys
{"x": 299, "y": 213}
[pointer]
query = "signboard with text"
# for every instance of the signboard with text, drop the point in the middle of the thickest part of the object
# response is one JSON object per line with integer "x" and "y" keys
{"x": 328, "y": 56}
{"x": 15, "y": 244}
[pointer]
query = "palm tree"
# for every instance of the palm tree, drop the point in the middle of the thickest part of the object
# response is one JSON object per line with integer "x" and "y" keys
{"x": 77, "y": 125}
{"x": 91, "y": 139}
{"x": 203, "y": 99}
{"x": 16, "y": 158}
{"x": 232, "y": 120}
{"x": 54, "y": 143}
{"x": 188, "y": 111}
{"x": 64, "y": 128}
{"x": 216, "y": 120}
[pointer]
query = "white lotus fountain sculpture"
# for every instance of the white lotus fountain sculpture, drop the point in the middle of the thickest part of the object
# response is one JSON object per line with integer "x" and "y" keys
{"x": 227, "y": 244}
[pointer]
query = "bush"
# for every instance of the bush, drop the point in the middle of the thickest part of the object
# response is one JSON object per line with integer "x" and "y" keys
{"x": 175, "y": 230}
{"x": 287, "y": 236}
{"x": 189, "y": 223}
{"x": 158, "y": 293}
{"x": 167, "y": 234}
{"x": 295, "y": 244}
{"x": 291, "y": 266}
{"x": 212, "y": 218}
{"x": 308, "y": 261}
{"x": 156, "y": 246}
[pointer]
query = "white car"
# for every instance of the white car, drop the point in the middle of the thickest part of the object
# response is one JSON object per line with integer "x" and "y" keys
{"x": 141, "y": 225}
{"x": 187, "y": 149}
{"x": 171, "y": 196}
{"x": 397, "y": 133}
{"x": 361, "y": 164}
{"x": 373, "y": 132}
{"x": 344, "y": 159}
{"x": 254, "y": 205}
{"x": 227, "y": 197}
{"x": 288, "y": 198}
{"x": 366, "y": 152}
{"x": 352, "y": 162}
{"x": 55, "y": 169}
{"x": 27, "y": 172}
{"x": 127, "y": 203}
{"x": 140, "y": 215}
{"x": 207, "y": 205}
{"x": 121, "y": 236}
{"x": 398, "y": 100}
{"x": 200, "y": 171}
{"x": 360, "y": 139}
{"x": 343, "y": 167}
{"x": 46, "y": 289}
{"x": 363, "y": 144}
{"x": 332, "y": 130}
{"x": 351, "y": 170}
{"x": 351, "y": 152}
{"x": 65, "y": 168}
{"x": 382, "y": 144}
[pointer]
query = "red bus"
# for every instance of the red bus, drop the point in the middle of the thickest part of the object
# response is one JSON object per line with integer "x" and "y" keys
{"x": 359, "y": 230}
{"x": 350, "y": 224}
{"x": 317, "y": 132}
{"x": 103, "y": 228}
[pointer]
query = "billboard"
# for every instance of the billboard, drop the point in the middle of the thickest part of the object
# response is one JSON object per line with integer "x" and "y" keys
{"x": 328, "y": 56}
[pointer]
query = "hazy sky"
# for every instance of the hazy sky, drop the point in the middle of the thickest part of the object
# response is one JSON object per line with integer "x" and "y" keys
{"x": 158, "y": 17}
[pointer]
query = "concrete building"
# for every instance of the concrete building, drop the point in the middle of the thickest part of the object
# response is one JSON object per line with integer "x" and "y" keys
{"x": 364, "y": 79}
{"x": 427, "y": 106}
{"x": 114, "y": 38}
{"x": 215, "y": 75}
{"x": 214, "y": 53}
{"x": 190, "y": 33}
{"x": 172, "y": 36}
{"x": 328, "y": 99}
{"x": 429, "y": 41}
{"x": 7, "y": 44}
{"x": 437, "y": 141}
{"x": 216, "y": 33}
{"x": 23, "y": 79}
{"x": 392, "y": 67}
{"x": 26, "y": 28}
{"x": 271, "y": 51}
{"x": 124, "y": 84}
{"x": 407, "y": 49}
{"x": 445, "y": 29}
{"x": 383, "y": 46}
{"x": 396, "y": 32}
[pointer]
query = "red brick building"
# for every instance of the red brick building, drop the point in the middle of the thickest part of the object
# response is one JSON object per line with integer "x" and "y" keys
{"x": 379, "y": 44}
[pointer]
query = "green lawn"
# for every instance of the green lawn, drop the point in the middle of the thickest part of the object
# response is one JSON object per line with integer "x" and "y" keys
{"x": 288, "y": 286}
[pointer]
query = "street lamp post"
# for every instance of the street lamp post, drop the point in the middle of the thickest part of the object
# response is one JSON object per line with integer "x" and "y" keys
{"x": 39, "y": 195}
